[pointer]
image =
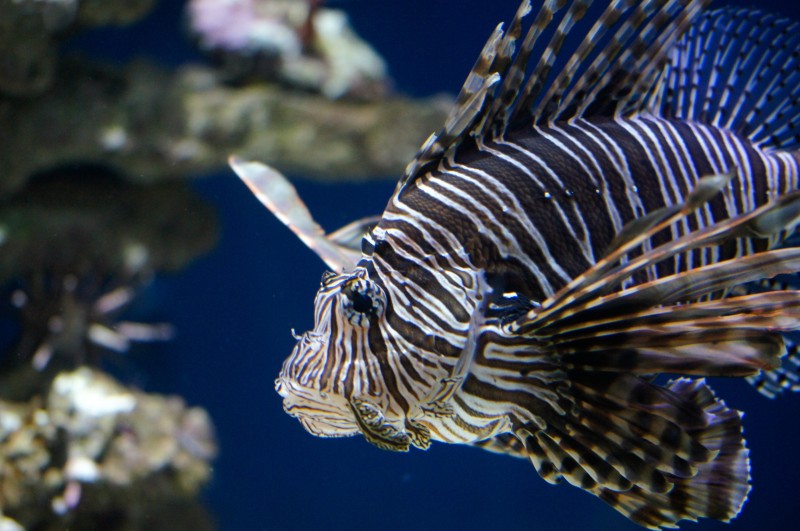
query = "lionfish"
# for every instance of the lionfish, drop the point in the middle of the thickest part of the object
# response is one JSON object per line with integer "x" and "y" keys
{"x": 608, "y": 201}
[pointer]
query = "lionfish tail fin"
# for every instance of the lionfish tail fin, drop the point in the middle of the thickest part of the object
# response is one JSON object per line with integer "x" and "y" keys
{"x": 720, "y": 486}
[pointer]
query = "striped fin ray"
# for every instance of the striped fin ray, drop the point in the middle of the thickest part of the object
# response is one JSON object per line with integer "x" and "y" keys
{"x": 615, "y": 65}
{"x": 616, "y": 267}
{"x": 514, "y": 78}
{"x": 474, "y": 99}
{"x": 737, "y": 69}
{"x": 702, "y": 338}
{"x": 664, "y": 324}
{"x": 775, "y": 382}
{"x": 538, "y": 80}
{"x": 641, "y": 64}
{"x": 612, "y": 71}
{"x": 628, "y": 65}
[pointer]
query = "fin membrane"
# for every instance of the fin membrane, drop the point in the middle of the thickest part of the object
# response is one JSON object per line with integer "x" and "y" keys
{"x": 737, "y": 69}
{"x": 656, "y": 454}
{"x": 340, "y": 250}
{"x": 775, "y": 382}
{"x": 719, "y": 487}
{"x": 772, "y": 383}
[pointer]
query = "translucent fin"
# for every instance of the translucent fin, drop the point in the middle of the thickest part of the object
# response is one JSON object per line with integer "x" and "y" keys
{"x": 737, "y": 69}
{"x": 717, "y": 490}
{"x": 350, "y": 235}
{"x": 656, "y": 454}
{"x": 505, "y": 443}
{"x": 772, "y": 383}
{"x": 339, "y": 250}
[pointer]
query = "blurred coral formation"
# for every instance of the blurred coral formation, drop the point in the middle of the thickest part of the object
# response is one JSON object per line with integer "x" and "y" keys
{"x": 94, "y": 205}
{"x": 286, "y": 75}
{"x": 297, "y": 42}
{"x": 78, "y": 449}
{"x": 100, "y": 453}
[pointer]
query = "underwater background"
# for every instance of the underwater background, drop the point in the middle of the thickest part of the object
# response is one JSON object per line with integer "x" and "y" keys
{"x": 234, "y": 307}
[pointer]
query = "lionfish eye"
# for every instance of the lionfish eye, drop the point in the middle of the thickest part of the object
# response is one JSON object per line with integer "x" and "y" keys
{"x": 361, "y": 300}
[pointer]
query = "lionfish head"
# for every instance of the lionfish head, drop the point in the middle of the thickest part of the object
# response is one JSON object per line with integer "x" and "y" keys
{"x": 329, "y": 371}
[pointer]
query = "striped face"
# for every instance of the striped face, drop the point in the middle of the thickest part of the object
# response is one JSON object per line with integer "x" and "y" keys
{"x": 332, "y": 369}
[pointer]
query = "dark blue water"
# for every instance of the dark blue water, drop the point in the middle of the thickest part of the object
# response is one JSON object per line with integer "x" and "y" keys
{"x": 234, "y": 310}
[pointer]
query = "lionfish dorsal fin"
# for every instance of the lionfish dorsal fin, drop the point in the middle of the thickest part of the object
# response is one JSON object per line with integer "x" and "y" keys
{"x": 613, "y": 71}
{"x": 338, "y": 250}
{"x": 737, "y": 69}
{"x": 473, "y": 100}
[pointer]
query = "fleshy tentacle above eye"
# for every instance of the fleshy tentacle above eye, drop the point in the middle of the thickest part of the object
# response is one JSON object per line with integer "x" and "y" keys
{"x": 340, "y": 250}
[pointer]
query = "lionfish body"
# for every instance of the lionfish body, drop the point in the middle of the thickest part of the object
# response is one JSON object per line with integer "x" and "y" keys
{"x": 568, "y": 235}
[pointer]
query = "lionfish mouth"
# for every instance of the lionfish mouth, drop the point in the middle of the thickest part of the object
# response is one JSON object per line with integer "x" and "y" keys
{"x": 320, "y": 413}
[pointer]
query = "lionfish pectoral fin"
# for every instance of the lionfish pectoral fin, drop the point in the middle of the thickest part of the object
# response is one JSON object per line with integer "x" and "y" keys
{"x": 640, "y": 228}
{"x": 656, "y": 454}
{"x": 376, "y": 429}
{"x": 275, "y": 192}
{"x": 350, "y": 236}
{"x": 419, "y": 434}
{"x": 663, "y": 454}
{"x": 776, "y": 381}
{"x": 621, "y": 315}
